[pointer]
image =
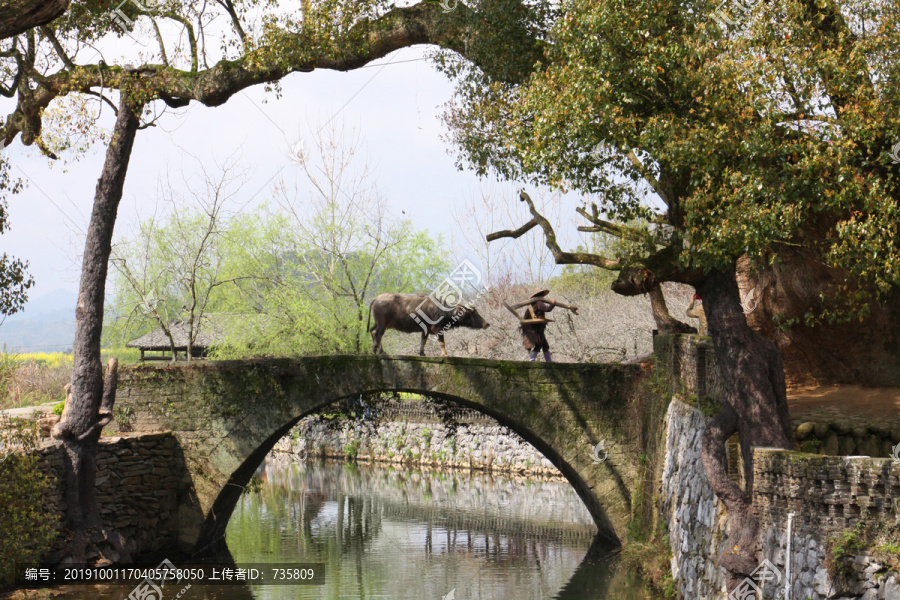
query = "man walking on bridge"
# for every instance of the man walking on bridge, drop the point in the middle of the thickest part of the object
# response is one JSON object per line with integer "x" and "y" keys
{"x": 533, "y": 333}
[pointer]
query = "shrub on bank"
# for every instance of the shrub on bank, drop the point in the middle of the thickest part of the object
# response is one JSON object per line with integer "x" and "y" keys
{"x": 25, "y": 529}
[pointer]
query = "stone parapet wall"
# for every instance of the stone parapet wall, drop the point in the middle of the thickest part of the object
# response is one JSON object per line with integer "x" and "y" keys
{"x": 691, "y": 361}
{"x": 832, "y": 493}
{"x": 828, "y": 496}
{"x": 141, "y": 482}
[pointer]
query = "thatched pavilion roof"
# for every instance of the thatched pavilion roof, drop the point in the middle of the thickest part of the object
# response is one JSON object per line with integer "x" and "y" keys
{"x": 211, "y": 331}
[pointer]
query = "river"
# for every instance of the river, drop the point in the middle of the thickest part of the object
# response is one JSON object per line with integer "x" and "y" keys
{"x": 400, "y": 534}
{"x": 388, "y": 533}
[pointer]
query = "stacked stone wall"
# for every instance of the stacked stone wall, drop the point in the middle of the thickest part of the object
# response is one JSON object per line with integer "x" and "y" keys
{"x": 488, "y": 446}
{"x": 825, "y": 498}
{"x": 141, "y": 481}
{"x": 692, "y": 514}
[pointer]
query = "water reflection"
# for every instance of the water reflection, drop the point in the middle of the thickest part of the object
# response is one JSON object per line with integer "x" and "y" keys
{"x": 398, "y": 534}
{"x": 411, "y": 535}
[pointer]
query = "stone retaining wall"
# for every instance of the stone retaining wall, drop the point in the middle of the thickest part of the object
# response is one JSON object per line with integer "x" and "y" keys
{"x": 141, "y": 483}
{"x": 692, "y": 514}
{"x": 424, "y": 411}
{"x": 843, "y": 439}
{"x": 828, "y": 496}
{"x": 489, "y": 447}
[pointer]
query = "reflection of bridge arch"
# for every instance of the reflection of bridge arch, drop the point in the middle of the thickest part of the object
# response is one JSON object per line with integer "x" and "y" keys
{"x": 228, "y": 416}
{"x": 445, "y": 514}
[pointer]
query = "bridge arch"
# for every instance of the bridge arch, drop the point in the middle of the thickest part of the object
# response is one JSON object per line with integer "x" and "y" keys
{"x": 228, "y": 415}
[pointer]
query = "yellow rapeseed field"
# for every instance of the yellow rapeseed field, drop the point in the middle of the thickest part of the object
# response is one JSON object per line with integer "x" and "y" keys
{"x": 35, "y": 378}
{"x": 50, "y": 359}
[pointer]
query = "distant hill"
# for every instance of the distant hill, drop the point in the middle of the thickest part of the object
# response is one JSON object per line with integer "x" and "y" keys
{"x": 47, "y": 324}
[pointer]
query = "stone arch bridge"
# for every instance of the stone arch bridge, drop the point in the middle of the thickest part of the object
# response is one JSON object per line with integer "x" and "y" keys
{"x": 228, "y": 415}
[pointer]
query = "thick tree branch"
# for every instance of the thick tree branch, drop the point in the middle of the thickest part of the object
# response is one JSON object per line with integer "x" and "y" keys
{"x": 513, "y": 233}
{"x": 665, "y": 322}
{"x": 18, "y": 16}
{"x": 661, "y": 266}
{"x": 366, "y": 41}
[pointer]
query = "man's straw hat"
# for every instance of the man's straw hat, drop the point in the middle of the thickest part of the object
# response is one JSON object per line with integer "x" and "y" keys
{"x": 540, "y": 293}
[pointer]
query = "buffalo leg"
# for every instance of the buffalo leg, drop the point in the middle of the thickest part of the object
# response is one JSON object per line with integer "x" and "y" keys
{"x": 422, "y": 345}
{"x": 377, "y": 334}
{"x": 443, "y": 345}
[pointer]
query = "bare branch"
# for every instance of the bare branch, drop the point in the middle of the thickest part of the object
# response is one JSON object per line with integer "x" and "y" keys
{"x": 229, "y": 7}
{"x": 561, "y": 257}
{"x": 162, "y": 45}
{"x": 601, "y": 225}
{"x": 60, "y": 51}
{"x": 513, "y": 233}
{"x": 192, "y": 39}
{"x": 105, "y": 99}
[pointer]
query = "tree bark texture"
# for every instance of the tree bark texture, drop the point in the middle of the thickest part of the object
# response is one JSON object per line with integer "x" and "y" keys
{"x": 754, "y": 406}
{"x": 18, "y": 16}
{"x": 90, "y": 401}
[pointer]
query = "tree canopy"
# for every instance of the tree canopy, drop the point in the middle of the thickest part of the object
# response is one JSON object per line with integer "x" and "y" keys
{"x": 775, "y": 133}
{"x": 14, "y": 278}
{"x": 208, "y": 52}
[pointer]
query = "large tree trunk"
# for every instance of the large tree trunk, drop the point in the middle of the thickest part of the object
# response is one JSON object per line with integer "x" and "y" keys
{"x": 89, "y": 405}
{"x": 18, "y": 16}
{"x": 754, "y": 406}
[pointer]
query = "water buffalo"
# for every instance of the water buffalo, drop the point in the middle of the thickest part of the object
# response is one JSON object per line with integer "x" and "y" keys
{"x": 409, "y": 313}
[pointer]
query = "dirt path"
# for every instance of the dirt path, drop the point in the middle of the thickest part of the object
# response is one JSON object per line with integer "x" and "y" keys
{"x": 856, "y": 404}
{"x": 27, "y": 411}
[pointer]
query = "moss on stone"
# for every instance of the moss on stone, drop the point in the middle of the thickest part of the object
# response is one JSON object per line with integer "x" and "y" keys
{"x": 223, "y": 411}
